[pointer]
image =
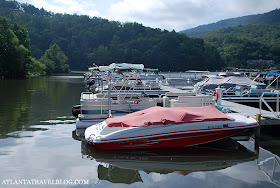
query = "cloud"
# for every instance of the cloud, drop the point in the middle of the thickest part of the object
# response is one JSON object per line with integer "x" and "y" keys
{"x": 237, "y": 8}
{"x": 66, "y": 6}
{"x": 255, "y": 6}
{"x": 183, "y": 14}
{"x": 246, "y": 172}
{"x": 176, "y": 14}
{"x": 164, "y": 14}
{"x": 46, "y": 156}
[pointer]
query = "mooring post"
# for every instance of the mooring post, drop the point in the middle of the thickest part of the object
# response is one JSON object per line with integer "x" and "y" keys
{"x": 257, "y": 134}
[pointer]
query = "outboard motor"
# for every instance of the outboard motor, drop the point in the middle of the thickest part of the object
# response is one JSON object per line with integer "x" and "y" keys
{"x": 76, "y": 110}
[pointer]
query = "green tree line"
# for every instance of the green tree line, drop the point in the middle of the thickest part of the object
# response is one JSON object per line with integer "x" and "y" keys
{"x": 238, "y": 44}
{"x": 86, "y": 40}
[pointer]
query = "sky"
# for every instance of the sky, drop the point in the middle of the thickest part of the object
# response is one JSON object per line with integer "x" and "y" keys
{"x": 164, "y": 14}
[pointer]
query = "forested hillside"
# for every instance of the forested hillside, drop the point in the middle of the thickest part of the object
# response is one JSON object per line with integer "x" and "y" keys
{"x": 238, "y": 44}
{"x": 86, "y": 40}
{"x": 272, "y": 17}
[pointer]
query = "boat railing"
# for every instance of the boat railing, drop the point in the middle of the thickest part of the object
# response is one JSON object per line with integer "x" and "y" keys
{"x": 245, "y": 92}
{"x": 118, "y": 91}
{"x": 228, "y": 92}
{"x": 231, "y": 91}
{"x": 270, "y": 174}
{"x": 255, "y": 78}
{"x": 206, "y": 92}
{"x": 125, "y": 96}
{"x": 273, "y": 82}
{"x": 123, "y": 84}
{"x": 263, "y": 100}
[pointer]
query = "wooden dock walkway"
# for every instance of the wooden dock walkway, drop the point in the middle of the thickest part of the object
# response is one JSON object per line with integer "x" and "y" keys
{"x": 268, "y": 118}
{"x": 249, "y": 99}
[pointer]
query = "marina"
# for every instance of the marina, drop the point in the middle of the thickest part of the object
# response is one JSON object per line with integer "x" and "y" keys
{"x": 156, "y": 97}
{"x": 47, "y": 130}
{"x": 231, "y": 88}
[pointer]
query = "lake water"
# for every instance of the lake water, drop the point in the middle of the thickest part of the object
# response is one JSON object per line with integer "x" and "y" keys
{"x": 39, "y": 147}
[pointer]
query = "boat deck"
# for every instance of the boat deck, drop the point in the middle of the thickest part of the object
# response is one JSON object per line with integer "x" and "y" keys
{"x": 172, "y": 89}
{"x": 109, "y": 130}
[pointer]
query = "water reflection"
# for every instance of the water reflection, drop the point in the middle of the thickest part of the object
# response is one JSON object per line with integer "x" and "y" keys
{"x": 269, "y": 165}
{"x": 37, "y": 100}
{"x": 115, "y": 174}
{"x": 124, "y": 165}
{"x": 15, "y": 108}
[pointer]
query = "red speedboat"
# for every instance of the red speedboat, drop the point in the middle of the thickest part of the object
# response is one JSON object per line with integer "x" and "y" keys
{"x": 159, "y": 127}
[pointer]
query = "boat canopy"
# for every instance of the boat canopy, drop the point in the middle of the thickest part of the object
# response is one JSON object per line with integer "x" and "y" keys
{"x": 212, "y": 82}
{"x": 163, "y": 115}
{"x": 270, "y": 73}
{"x": 121, "y": 66}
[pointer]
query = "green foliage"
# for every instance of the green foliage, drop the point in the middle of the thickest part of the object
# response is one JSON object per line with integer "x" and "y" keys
{"x": 245, "y": 38}
{"x": 22, "y": 35}
{"x": 54, "y": 60}
{"x": 36, "y": 68}
{"x": 238, "y": 44}
{"x": 86, "y": 40}
{"x": 13, "y": 54}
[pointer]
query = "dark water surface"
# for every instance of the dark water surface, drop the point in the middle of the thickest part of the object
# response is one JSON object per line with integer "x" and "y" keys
{"x": 39, "y": 148}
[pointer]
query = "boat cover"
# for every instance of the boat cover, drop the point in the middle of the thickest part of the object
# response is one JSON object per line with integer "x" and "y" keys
{"x": 163, "y": 115}
{"x": 121, "y": 66}
{"x": 270, "y": 74}
{"x": 213, "y": 82}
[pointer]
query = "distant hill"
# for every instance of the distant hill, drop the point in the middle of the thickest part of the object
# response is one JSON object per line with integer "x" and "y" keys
{"x": 272, "y": 17}
{"x": 238, "y": 45}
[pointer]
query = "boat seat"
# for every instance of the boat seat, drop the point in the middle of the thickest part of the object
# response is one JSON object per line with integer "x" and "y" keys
{"x": 87, "y": 96}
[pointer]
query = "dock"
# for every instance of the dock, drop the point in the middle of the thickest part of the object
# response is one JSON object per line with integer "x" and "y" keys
{"x": 172, "y": 89}
{"x": 268, "y": 118}
{"x": 231, "y": 104}
{"x": 249, "y": 99}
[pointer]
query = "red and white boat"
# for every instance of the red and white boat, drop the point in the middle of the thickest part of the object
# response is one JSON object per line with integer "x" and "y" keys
{"x": 159, "y": 127}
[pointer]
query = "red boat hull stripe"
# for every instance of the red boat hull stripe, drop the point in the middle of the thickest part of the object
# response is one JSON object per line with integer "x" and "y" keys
{"x": 175, "y": 140}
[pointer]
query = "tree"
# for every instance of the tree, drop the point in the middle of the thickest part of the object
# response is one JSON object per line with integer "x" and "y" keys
{"x": 55, "y": 59}
{"x": 36, "y": 68}
{"x": 238, "y": 44}
{"x": 13, "y": 54}
{"x": 22, "y": 35}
